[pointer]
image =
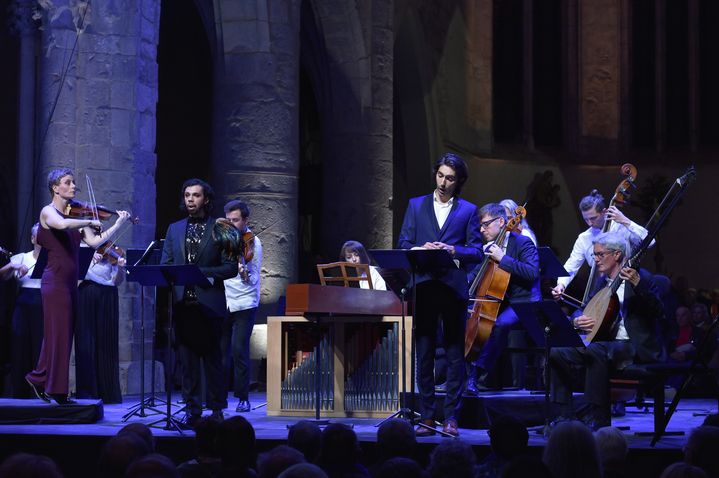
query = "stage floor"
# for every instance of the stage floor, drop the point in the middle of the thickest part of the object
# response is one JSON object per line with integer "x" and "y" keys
{"x": 690, "y": 414}
{"x": 76, "y": 447}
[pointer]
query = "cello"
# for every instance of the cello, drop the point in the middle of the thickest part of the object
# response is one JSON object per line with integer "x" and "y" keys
{"x": 488, "y": 289}
{"x": 620, "y": 197}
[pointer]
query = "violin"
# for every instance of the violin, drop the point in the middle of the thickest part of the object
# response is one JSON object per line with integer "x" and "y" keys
{"x": 487, "y": 293}
{"x": 248, "y": 239}
{"x": 110, "y": 252}
{"x": 83, "y": 210}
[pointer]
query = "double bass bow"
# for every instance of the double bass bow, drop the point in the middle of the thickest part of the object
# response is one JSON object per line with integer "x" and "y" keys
{"x": 604, "y": 306}
{"x": 487, "y": 293}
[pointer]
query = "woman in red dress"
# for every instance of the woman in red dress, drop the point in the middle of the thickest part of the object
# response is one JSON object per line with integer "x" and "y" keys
{"x": 61, "y": 236}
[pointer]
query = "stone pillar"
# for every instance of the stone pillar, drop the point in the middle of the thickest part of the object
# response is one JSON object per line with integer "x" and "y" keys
{"x": 600, "y": 53}
{"x": 104, "y": 123}
{"x": 357, "y": 123}
{"x": 27, "y": 210}
{"x": 255, "y": 155}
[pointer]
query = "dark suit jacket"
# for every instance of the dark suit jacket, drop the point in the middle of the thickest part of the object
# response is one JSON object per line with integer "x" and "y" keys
{"x": 211, "y": 261}
{"x": 521, "y": 259}
{"x": 641, "y": 309}
{"x": 461, "y": 230}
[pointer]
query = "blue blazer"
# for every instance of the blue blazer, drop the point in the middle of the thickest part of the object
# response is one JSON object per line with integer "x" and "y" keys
{"x": 521, "y": 259}
{"x": 211, "y": 261}
{"x": 461, "y": 230}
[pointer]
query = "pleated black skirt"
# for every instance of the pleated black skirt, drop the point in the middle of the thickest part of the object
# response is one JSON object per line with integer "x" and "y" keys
{"x": 97, "y": 362}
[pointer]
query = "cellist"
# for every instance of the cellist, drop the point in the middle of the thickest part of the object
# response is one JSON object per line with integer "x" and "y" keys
{"x": 595, "y": 212}
{"x": 520, "y": 258}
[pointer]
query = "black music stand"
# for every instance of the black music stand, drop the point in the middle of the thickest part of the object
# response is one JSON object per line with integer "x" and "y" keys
{"x": 170, "y": 276}
{"x": 413, "y": 261}
{"x": 136, "y": 273}
{"x": 553, "y": 329}
{"x": 549, "y": 265}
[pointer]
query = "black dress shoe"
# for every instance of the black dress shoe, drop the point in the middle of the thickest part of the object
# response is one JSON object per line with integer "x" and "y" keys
{"x": 619, "y": 409}
{"x": 243, "y": 406}
{"x": 217, "y": 416}
{"x": 38, "y": 393}
{"x": 426, "y": 430}
{"x": 189, "y": 421}
{"x": 62, "y": 399}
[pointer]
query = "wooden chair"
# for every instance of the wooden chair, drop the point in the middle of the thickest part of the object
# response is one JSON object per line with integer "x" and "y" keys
{"x": 346, "y": 274}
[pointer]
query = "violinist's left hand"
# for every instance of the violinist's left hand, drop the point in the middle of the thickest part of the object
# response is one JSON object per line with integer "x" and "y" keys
{"x": 630, "y": 275}
{"x": 122, "y": 217}
{"x": 495, "y": 252}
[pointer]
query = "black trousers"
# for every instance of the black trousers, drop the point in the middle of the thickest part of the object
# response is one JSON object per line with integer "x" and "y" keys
{"x": 198, "y": 345}
{"x": 598, "y": 360}
{"x": 436, "y": 301}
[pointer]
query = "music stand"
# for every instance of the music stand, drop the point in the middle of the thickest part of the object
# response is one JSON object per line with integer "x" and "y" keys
{"x": 553, "y": 329}
{"x": 549, "y": 265}
{"x": 414, "y": 261}
{"x": 139, "y": 257}
{"x": 170, "y": 276}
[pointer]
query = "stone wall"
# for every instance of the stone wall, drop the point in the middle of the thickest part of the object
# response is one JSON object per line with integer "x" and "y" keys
{"x": 103, "y": 124}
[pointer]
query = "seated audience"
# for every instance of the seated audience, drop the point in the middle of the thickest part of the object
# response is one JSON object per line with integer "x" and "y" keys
{"x": 207, "y": 462}
{"x": 306, "y": 437}
{"x": 682, "y": 470}
{"x": 303, "y": 470}
{"x": 400, "y": 467}
{"x": 571, "y": 452}
{"x": 701, "y": 450}
{"x": 153, "y": 465}
{"x": 119, "y": 452}
{"x": 277, "y": 460}
{"x": 613, "y": 448}
{"x": 452, "y": 459}
{"x": 340, "y": 452}
{"x": 25, "y": 465}
{"x": 236, "y": 447}
{"x": 395, "y": 438}
{"x": 508, "y": 439}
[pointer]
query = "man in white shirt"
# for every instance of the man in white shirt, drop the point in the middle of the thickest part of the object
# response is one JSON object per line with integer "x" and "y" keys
{"x": 595, "y": 213}
{"x": 242, "y": 294}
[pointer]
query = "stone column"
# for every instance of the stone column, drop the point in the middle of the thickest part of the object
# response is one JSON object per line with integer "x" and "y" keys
{"x": 27, "y": 30}
{"x": 357, "y": 123}
{"x": 104, "y": 123}
{"x": 255, "y": 155}
{"x": 600, "y": 53}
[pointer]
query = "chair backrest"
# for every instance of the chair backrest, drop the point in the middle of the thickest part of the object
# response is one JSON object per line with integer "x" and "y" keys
{"x": 346, "y": 274}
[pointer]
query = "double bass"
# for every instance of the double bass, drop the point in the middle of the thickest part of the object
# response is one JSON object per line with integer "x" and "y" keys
{"x": 604, "y": 306}
{"x": 620, "y": 197}
{"x": 488, "y": 289}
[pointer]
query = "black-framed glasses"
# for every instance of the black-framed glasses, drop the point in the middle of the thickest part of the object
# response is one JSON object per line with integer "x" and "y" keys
{"x": 601, "y": 254}
{"x": 488, "y": 222}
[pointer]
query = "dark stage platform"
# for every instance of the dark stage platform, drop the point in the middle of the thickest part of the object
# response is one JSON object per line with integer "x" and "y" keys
{"x": 76, "y": 446}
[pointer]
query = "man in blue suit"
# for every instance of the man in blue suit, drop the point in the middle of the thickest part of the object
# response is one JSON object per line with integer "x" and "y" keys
{"x": 518, "y": 256}
{"x": 442, "y": 220}
{"x": 198, "y": 310}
